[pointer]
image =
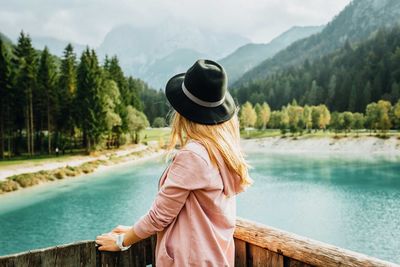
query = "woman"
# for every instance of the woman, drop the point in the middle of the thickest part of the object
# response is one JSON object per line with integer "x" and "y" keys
{"x": 194, "y": 211}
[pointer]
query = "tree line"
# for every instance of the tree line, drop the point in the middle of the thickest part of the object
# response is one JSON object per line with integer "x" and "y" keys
{"x": 346, "y": 80}
{"x": 48, "y": 102}
{"x": 294, "y": 118}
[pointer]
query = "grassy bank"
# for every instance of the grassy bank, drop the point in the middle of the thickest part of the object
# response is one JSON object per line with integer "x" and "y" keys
{"x": 16, "y": 182}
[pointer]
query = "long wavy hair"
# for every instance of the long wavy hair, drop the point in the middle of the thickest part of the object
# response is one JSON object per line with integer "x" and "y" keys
{"x": 225, "y": 137}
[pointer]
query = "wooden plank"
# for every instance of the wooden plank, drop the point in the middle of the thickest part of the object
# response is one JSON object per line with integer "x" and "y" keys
{"x": 125, "y": 259}
{"x": 301, "y": 248}
{"x": 22, "y": 260}
{"x": 88, "y": 254}
{"x": 288, "y": 262}
{"x": 148, "y": 248}
{"x": 67, "y": 256}
{"x": 48, "y": 257}
{"x": 7, "y": 261}
{"x": 153, "y": 242}
{"x": 240, "y": 253}
{"x": 139, "y": 254}
{"x": 260, "y": 257}
{"x": 109, "y": 259}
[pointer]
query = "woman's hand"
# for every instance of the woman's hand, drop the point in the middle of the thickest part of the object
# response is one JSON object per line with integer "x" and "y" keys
{"x": 107, "y": 242}
{"x": 121, "y": 229}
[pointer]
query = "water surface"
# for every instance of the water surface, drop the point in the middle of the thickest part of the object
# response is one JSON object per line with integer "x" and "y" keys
{"x": 350, "y": 202}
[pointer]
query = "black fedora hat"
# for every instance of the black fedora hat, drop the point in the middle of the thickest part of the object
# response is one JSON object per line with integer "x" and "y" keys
{"x": 201, "y": 94}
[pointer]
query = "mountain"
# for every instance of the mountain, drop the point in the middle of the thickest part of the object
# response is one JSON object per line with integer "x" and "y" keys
{"x": 162, "y": 69}
{"x": 5, "y": 39}
{"x": 346, "y": 80}
{"x": 139, "y": 48}
{"x": 357, "y": 22}
{"x": 248, "y": 56}
{"x": 55, "y": 46}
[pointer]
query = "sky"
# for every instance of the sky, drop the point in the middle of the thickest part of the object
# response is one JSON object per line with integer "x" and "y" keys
{"x": 88, "y": 21}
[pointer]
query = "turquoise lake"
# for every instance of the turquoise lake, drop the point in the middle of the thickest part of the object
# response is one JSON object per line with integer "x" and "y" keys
{"x": 350, "y": 202}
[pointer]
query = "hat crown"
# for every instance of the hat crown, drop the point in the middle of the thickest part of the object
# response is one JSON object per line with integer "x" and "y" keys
{"x": 206, "y": 80}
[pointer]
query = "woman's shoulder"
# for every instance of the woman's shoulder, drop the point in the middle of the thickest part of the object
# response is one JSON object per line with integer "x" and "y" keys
{"x": 197, "y": 148}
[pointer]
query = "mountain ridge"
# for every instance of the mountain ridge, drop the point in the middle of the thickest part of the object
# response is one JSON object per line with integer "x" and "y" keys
{"x": 248, "y": 56}
{"x": 356, "y": 22}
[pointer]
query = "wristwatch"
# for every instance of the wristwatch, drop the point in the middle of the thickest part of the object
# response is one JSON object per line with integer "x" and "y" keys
{"x": 120, "y": 239}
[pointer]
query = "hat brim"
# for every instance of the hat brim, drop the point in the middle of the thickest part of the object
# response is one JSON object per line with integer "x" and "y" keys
{"x": 195, "y": 112}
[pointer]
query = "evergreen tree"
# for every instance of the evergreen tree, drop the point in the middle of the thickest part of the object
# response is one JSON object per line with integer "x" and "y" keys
{"x": 89, "y": 96}
{"x": 46, "y": 80}
{"x": 353, "y": 99}
{"x": 6, "y": 101}
{"x": 395, "y": 92}
{"x": 25, "y": 87}
{"x": 68, "y": 114}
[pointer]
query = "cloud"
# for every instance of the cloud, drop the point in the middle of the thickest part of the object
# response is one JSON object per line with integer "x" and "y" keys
{"x": 88, "y": 21}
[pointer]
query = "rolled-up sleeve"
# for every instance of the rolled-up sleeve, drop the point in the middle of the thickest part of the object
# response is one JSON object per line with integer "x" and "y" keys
{"x": 188, "y": 172}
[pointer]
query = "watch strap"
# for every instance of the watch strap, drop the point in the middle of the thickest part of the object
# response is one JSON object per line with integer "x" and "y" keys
{"x": 119, "y": 242}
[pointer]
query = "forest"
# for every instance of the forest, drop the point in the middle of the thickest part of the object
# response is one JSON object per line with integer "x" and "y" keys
{"x": 48, "y": 102}
{"x": 346, "y": 80}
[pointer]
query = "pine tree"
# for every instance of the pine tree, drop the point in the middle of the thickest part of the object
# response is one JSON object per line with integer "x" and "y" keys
{"x": 67, "y": 89}
{"x": 26, "y": 84}
{"x": 353, "y": 99}
{"x": 46, "y": 79}
{"x": 395, "y": 92}
{"x": 89, "y": 96}
{"x": 5, "y": 99}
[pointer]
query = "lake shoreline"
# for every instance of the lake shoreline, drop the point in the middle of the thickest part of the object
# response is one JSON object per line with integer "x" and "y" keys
{"x": 363, "y": 145}
{"x": 26, "y": 180}
{"x": 366, "y": 146}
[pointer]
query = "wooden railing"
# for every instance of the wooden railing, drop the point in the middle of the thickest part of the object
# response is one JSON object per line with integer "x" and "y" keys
{"x": 256, "y": 245}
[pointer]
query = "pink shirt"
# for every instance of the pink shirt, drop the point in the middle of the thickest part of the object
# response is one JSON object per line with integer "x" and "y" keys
{"x": 191, "y": 214}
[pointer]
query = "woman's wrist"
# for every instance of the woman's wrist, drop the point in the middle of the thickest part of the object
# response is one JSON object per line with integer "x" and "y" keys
{"x": 120, "y": 242}
{"x": 130, "y": 237}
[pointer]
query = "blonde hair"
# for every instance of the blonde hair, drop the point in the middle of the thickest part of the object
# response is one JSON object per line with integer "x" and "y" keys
{"x": 225, "y": 137}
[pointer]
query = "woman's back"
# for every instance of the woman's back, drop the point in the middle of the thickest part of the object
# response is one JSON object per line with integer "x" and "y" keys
{"x": 201, "y": 232}
{"x": 194, "y": 211}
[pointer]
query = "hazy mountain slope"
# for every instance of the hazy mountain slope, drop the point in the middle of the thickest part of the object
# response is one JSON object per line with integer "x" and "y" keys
{"x": 55, "y": 46}
{"x": 5, "y": 39}
{"x": 138, "y": 48}
{"x": 162, "y": 69}
{"x": 357, "y": 22}
{"x": 250, "y": 55}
